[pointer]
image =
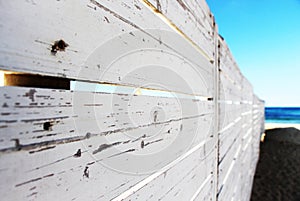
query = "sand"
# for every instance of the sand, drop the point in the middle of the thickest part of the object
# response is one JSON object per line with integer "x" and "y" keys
{"x": 276, "y": 125}
{"x": 278, "y": 170}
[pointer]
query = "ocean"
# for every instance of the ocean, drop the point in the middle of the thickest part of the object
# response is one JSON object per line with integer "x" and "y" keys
{"x": 282, "y": 115}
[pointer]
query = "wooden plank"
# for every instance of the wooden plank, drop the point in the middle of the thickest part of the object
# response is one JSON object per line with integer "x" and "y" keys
{"x": 177, "y": 184}
{"x": 196, "y": 23}
{"x": 204, "y": 193}
{"x": 232, "y": 91}
{"x": 102, "y": 155}
{"x": 229, "y": 177}
{"x": 229, "y": 118}
{"x": 228, "y": 64}
{"x": 169, "y": 135}
{"x": 228, "y": 139}
{"x": 137, "y": 31}
{"x": 41, "y": 115}
{"x": 236, "y": 127}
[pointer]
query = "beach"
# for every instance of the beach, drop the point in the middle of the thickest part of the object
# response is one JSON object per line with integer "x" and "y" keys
{"x": 277, "y": 174}
{"x": 281, "y": 125}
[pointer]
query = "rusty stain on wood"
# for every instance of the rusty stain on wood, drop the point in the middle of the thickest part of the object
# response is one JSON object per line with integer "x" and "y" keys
{"x": 47, "y": 126}
{"x": 106, "y": 19}
{"x": 30, "y": 94}
{"x": 59, "y": 45}
{"x": 158, "y": 6}
{"x": 77, "y": 154}
{"x": 86, "y": 172}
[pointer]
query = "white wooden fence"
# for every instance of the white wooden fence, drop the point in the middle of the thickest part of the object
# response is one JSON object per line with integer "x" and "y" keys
{"x": 122, "y": 100}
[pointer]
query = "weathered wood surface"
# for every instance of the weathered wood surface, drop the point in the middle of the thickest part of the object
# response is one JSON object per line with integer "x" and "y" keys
{"x": 157, "y": 108}
{"x": 101, "y": 126}
{"x": 240, "y": 124}
{"x": 196, "y": 23}
{"x": 75, "y": 114}
{"x": 97, "y": 34}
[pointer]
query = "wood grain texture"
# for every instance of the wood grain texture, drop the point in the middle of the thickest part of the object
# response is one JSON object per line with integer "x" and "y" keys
{"x": 50, "y": 115}
{"x": 196, "y": 23}
{"x": 157, "y": 108}
{"x": 241, "y": 121}
{"x": 118, "y": 28}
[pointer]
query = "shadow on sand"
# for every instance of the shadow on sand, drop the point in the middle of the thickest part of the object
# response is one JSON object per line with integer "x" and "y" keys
{"x": 277, "y": 175}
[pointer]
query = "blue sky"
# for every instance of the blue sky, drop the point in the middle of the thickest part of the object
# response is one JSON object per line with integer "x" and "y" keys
{"x": 264, "y": 38}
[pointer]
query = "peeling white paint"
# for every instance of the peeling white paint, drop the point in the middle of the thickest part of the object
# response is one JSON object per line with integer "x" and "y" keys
{"x": 157, "y": 108}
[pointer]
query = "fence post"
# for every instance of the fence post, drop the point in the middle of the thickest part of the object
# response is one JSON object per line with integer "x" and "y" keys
{"x": 216, "y": 111}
